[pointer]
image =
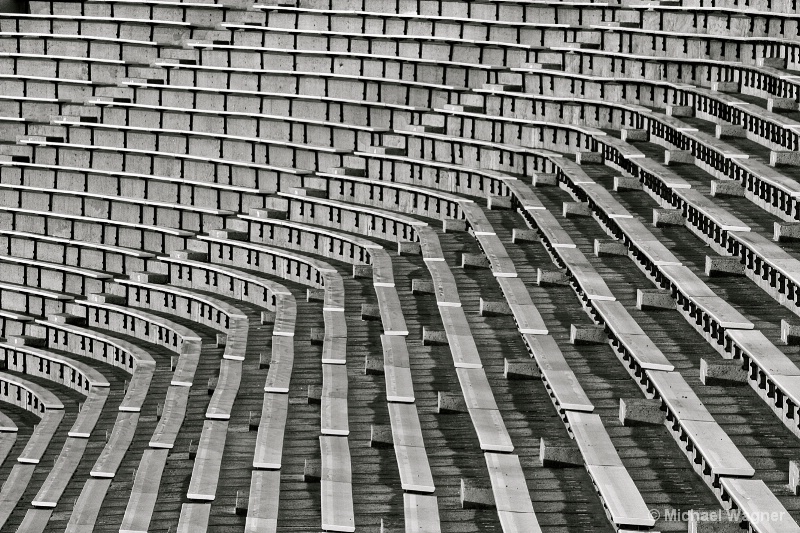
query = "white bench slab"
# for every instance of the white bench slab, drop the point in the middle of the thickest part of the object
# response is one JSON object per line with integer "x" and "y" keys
{"x": 208, "y": 461}
{"x": 475, "y": 388}
{"x": 492, "y": 433}
{"x": 172, "y": 417}
{"x": 269, "y": 440}
{"x": 144, "y": 492}
{"x": 221, "y": 403}
{"x": 87, "y": 507}
{"x": 394, "y": 323}
{"x": 421, "y": 514}
{"x": 41, "y": 436}
{"x": 759, "y": 505}
{"x": 58, "y": 478}
{"x": 620, "y": 496}
{"x": 280, "y": 368}
{"x": 262, "y": 507}
{"x": 561, "y": 381}
{"x": 592, "y": 439}
{"x": 91, "y": 409}
{"x": 117, "y": 446}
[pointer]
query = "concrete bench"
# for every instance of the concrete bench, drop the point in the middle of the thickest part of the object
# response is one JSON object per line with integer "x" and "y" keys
{"x": 14, "y": 487}
{"x": 397, "y": 370}
{"x": 459, "y": 338}
{"x": 280, "y": 366}
{"x": 560, "y": 381}
{"x": 310, "y": 239}
{"x": 391, "y": 311}
{"x": 334, "y": 413}
{"x": 483, "y": 410}
{"x": 271, "y": 427}
{"x": 262, "y": 508}
{"x": 429, "y": 244}
{"x": 31, "y": 396}
{"x": 630, "y": 339}
{"x": 36, "y": 520}
{"x": 119, "y": 441}
{"x": 511, "y": 495}
{"x": 138, "y": 210}
{"x": 221, "y": 403}
{"x": 525, "y": 313}
{"x": 110, "y": 258}
{"x": 334, "y": 343}
{"x": 208, "y": 461}
{"x": 245, "y": 286}
{"x": 501, "y": 264}
{"x": 444, "y": 284}
{"x": 130, "y": 232}
{"x": 112, "y": 350}
{"x": 411, "y": 198}
{"x": 421, "y": 513}
{"x": 359, "y": 219}
{"x": 271, "y": 260}
{"x": 551, "y": 230}
{"x": 619, "y": 494}
{"x": 90, "y": 412}
{"x": 58, "y": 478}
{"x": 382, "y": 269}
{"x": 173, "y": 414}
{"x": 146, "y": 483}
{"x": 225, "y": 318}
{"x": 86, "y": 508}
{"x": 6, "y": 424}
{"x": 194, "y": 517}
{"x": 52, "y": 366}
{"x": 137, "y": 323}
{"x": 588, "y": 281}
{"x": 336, "y": 485}
{"x": 412, "y": 459}
{"x": 64, "y": 277}
{"x": 761, "y": 509}
{"x": 709, "y": 446}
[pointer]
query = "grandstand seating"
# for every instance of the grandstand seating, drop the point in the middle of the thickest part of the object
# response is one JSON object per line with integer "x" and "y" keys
{"x": 387, "y": 266}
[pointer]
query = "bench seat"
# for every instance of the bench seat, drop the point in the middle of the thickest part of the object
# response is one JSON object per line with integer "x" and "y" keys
{"x": 280, "y": 367}
{"x": 208, "y": 461}
{"x": 221, "y": 403}
{"x": 59, "y": 477}
{"x": 269, "y": 441}
{"x": 759, "y": 505}
{"x": 86, "y": 508}
{"x": 397, "y": 370}
{"x": 525, "y": 313}
{"x": 117, "y": 446}
{"x": 172, "y": 416}
{"x": 421, "y": 513}
{"x": 40, "y": 438}
{"x": 627, "y": 332}
{"x": 262, "y": 509}
{"x": 444, "y": 284}
{"x": 142, "y": 502}
{"x": 412, "y": 459}
{"x": 560, "y": 381}
{"x": 459, "y": 338}
{"x": 551, "y": 230}
{"x": 138, "y": 387}
{"x": 491, "y": 430}
{"x": 334, "y": 412}
{"x": 90, "y": 412}
{"x": 391, "y": 311}
{"x": 501, "y": 264}
{"x": 511, "y": 495}
{"x": 336, "y": 485}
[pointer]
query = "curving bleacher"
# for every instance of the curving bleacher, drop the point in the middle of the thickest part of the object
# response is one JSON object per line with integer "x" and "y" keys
{"x": 387, "y": 266}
